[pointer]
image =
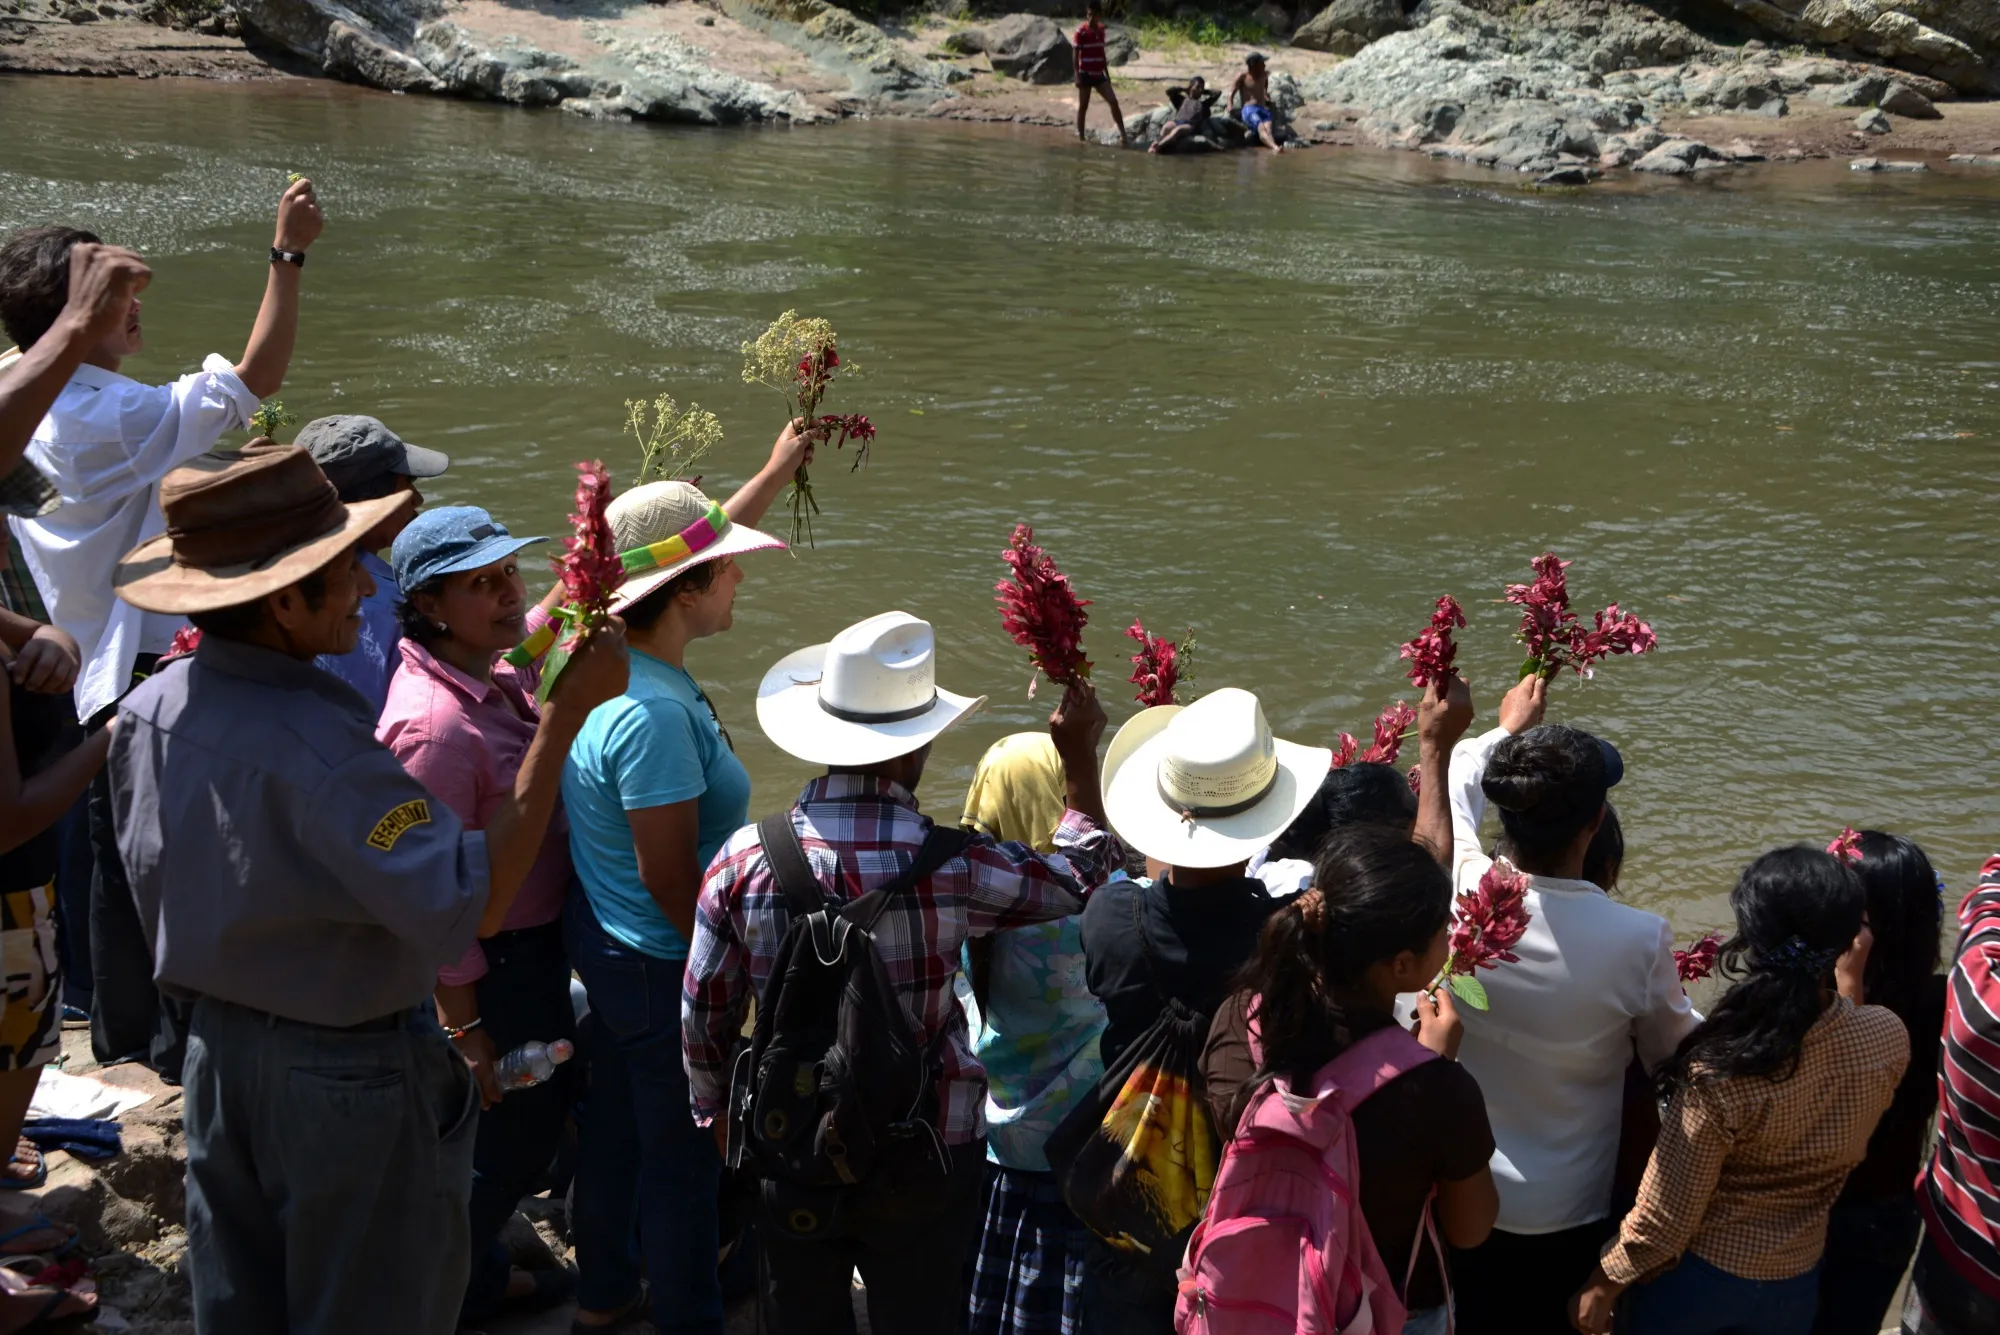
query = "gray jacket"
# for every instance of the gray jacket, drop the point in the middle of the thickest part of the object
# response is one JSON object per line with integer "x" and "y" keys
{"x": 279, "y": 855}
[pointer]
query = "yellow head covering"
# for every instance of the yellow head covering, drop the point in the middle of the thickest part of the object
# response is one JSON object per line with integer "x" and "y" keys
{"x": 1017, "y": 792}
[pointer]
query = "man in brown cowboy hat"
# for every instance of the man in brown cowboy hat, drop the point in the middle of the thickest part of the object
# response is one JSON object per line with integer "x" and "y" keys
{"x": 301, "y": 891}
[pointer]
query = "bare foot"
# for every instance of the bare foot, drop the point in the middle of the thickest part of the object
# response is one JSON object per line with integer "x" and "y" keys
{"x": 23, "y": 1305}
{"x": 22, "y": 1166}
{"x": 49, "y": 1237}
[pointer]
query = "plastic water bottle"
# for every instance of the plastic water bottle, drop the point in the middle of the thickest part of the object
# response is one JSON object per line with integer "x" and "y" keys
{"x": 532, "y": 1063}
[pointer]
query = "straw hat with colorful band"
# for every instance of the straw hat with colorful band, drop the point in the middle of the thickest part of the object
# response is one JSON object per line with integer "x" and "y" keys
{"x": 662, "y": 530}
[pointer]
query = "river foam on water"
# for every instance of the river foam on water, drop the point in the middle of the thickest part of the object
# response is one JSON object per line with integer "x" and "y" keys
{"x": 1286, "y": 401}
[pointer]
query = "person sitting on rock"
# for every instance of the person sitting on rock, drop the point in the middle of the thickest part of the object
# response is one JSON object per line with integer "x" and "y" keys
{"x": 1093, "y": 71}
{"x": 1253, "y": 90}
{"x": 1192, "y": 105}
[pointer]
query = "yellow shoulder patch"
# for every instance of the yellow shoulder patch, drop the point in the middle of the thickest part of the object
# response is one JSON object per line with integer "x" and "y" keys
{"x": 391, "y": 827}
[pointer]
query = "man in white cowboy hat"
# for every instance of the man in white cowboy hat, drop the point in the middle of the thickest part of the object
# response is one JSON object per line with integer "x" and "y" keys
{"x": 301, "y": 892}
{"x": 1200, "y": 789}
{"x": 867, "y": 706}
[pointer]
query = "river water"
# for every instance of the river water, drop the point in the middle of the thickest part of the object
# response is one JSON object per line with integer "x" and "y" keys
{"x": 1287, "y": 402}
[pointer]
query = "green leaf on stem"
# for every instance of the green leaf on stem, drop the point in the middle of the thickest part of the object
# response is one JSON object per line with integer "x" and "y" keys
{"x": 1469, "y": 990}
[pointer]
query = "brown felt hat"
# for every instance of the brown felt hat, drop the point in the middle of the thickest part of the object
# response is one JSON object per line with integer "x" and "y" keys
{"x": 242, "y": 524}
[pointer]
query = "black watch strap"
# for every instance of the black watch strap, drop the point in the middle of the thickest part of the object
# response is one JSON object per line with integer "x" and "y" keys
{"x": 297, "y": 257}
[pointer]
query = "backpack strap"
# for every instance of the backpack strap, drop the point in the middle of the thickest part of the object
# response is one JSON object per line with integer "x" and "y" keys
{"x": 1373, "y": 1062}
{"x": 789, "y": 866}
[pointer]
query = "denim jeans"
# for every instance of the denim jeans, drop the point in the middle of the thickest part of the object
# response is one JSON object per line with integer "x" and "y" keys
{"x": 1868, "y": 1244}
{"x": 1430, "y": 1321}
{"x": 644, "y": 1169}
{"x": 524, "y": 996}
{"x": 327, "y": 1177}
{"x": 1696, "y": 1298}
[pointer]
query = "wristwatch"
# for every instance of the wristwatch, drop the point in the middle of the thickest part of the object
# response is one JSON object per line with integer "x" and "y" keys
{"x": 297, "y": 257}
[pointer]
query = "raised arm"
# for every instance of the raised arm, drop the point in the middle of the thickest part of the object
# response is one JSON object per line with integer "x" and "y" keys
{"x": 1442, "y": 718}
{"x": 103, "y": 283}
{"x": 793, "y": 450}
{"x": 269, "y": 352}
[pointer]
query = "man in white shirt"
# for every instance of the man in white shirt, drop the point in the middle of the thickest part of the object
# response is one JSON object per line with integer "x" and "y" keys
{"x": 106, "y": 443}
{"x": 1594, "y": 983}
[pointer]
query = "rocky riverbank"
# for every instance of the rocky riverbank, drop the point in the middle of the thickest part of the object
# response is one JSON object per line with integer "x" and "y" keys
{"x": 1562, "y": 89}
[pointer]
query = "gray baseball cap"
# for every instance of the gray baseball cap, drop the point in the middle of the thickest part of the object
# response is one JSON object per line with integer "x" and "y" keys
{"x": 351, "y": 449}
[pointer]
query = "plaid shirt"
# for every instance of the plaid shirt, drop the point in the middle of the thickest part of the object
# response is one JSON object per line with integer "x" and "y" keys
{"x": 1959, "y": 1189}
{"x": 1747, "y": 1168}
{"x": 860, "y": 832}
{"x": 17, "y": 587}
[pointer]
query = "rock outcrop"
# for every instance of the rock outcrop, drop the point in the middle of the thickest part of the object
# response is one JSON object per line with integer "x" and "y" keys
{"x": 1031, "y": 47}
{"x": 1955, "y": 41}
{"x": 1569, "y": 83}
{"x": 414, "y": 46}
{"x": 1346, "y": 26}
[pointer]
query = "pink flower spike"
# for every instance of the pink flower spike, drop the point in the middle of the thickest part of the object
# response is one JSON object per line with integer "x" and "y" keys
{"x": 1848, "y": 846}
{"x": 1343, "y": 754}
{"x": 1390, "y": 725}
{"x": 590, "y": 569}
{"x": 1040, "y": 611}
{"x": 1155, "y": 668}
{"x": 1431, "y": 654}
{"x": 185, "y": 640}
{"x": 1698, "y": 960}
{"x": 1490, "y": 920}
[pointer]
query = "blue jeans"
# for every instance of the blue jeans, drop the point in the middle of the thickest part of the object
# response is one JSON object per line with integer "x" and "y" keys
{"x": 1868, "y": 1243}
{"x": 1430, "y": 1321}
{"x": 524, "y": 995}
{"x": 1696, "y": 1298}
{"x": 1943, "y": 1302}
{"x": 327, "y": 1174}
{"x": 644, "y": 1172}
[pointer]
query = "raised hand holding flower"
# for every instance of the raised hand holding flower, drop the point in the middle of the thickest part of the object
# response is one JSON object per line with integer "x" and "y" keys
{"x": 1041, "y": 612}
{"x": 1488, "y": 923}
{"x": 1553, "y": 636}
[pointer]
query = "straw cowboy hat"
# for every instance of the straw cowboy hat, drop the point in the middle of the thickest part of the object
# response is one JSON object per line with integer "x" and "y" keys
{"x": 242, "y": 524}
{"x": 1207, "y": 784}
{"x": 664, "y": 528}
{"x": 868, "y": 696}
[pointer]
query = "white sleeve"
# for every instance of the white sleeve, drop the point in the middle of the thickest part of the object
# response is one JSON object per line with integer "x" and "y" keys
{"x": 1468, "y": 799}
{"x": 1667, "y": 1016}
{"x": 157, "y": 428}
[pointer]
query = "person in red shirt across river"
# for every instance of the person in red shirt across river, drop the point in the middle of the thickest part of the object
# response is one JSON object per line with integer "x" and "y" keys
{"x": 1093, "y": 71}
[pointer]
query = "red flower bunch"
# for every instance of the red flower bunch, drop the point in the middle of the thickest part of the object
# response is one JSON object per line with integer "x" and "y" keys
{"x": 590, "y": 569}
{"x": 854, "y": 426}
{"x": 1156, "y": 668}
{"x": 1041, "y": 612}
{"x": 1390, "y": 725}
{"x": 1489, "y": 923}
{"x": 796, "y": 358}
{"x": 1848, "y": 846}
{"x": 1343, "y": 754}
{"x": 1417, "y": 780}
{"x": 1698, "y": 960}
{"x": 1432, "y": 652}
{"x": 185, "y": 640}
{"x": 1556, "y": 639}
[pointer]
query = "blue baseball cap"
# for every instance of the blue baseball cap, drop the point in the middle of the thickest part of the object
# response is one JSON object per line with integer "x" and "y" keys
{"x": 447, "y": 540}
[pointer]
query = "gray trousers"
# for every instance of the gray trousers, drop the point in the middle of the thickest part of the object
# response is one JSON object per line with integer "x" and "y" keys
{"x": 328, "y": 1175}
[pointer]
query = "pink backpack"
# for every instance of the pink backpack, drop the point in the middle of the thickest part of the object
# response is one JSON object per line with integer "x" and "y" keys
{"x": 1283, "y": 1249}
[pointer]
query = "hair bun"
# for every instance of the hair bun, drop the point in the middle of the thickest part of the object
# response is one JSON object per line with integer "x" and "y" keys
{"x": 1516, "y": 789}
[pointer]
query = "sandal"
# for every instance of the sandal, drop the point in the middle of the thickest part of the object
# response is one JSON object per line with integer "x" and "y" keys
{"x": 47, "y": 1320}
{"x": 39, "y": 1178}
{"x": 41, "y": 1223}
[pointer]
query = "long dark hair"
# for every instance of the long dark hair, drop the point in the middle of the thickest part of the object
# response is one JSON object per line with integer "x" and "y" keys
{"x": 1605, "y": 857}
{"x": 1377, "y": 894}
{"x": 1905, "y": 914}
{"x": 1549, "y": 784}
{"x": 1364, "y": 792}
{"x": 1797, "y": 911}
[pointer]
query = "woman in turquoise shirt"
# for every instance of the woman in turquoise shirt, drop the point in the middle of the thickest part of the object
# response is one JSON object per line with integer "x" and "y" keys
{"x": 653, "y": 788}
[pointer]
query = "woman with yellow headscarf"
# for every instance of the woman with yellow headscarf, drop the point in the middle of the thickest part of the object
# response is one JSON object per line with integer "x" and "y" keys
{"x": 1038, "y": 1043}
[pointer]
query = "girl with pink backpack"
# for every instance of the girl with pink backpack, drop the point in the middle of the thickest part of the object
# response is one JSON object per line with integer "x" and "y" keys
{"x": 1355, "y": 1145}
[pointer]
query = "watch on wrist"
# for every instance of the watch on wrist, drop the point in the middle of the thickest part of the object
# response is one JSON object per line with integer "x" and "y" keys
{"x": 281, "y": 256}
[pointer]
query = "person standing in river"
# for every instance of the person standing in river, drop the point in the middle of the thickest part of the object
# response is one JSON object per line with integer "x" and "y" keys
{"x": 1252, "y": 90}
{"x": 106, "y": 443}
{"x": 1093, "y": 71}
{"x": 299, "y": 892}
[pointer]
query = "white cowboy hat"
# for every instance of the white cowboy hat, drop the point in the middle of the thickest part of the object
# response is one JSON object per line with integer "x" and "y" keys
{"x": 1207, "y": 784}
{"x": 868, "y": 696}
{"x": 680, "y": 528}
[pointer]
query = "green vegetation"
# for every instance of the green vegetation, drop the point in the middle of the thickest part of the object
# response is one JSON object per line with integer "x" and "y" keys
{"x": 1157, "y": 32}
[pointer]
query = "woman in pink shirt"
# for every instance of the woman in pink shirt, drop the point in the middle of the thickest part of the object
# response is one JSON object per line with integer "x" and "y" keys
{"x": 460, "y": 721}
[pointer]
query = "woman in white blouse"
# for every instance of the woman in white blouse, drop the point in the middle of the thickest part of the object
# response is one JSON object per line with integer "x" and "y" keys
{"x": 1594, "y": 979}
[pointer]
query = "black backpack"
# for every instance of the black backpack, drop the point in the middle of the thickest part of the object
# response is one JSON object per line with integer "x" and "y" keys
{"x": 834, "y": 1101}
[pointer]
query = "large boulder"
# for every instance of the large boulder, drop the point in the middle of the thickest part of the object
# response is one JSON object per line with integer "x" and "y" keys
{"x": 1902, "y": 100}
{"x": 1957, "y": 41}
{"x": 1031, "y": 47}
{"x": 1346, "y": 26}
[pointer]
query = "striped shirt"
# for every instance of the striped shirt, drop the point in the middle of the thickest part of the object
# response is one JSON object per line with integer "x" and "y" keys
{"x": 1959, "y": 1190}
{"x": 1747, "y": 1167}
{"x": 1089, "y": 44}
{"x": 860, "y": 832}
